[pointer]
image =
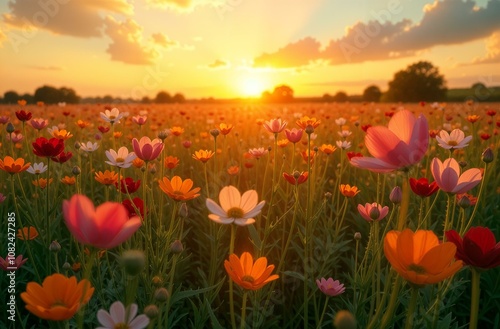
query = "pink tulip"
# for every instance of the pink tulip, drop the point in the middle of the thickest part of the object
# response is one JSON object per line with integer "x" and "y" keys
{"x": 105, "y": 227}
{"x": 275, "y": 125}
{"x": 147, "y": 149}
{"x": 294, "y": 135}
{"x": 448, "y": 178}
{"x": 402, "y": 144}
{"x": 330, "y": 287}
{"x": 373, "y": 211}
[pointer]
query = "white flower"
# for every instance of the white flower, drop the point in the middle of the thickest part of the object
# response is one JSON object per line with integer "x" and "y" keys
{"x": 122, "y": 158}
{"x": 258, "y": 152}
{"x": 455, "y": 140}
{"x": 89, "y": 146}
{"x": 344, "y": 133}
{"x": 343, "y": 145}
{"x": 234, "y": 207}
{"x": 340, "y": 121}
{"x": 119, "y": 317}
{"x": 37, "y": 168}
{"x": 112, "y": 116}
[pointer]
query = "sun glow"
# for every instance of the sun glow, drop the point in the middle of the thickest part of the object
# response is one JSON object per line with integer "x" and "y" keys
{"x": 252, "y": 86}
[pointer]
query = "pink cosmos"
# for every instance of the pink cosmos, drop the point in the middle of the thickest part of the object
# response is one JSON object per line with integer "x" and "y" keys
{"x": 275, "y": 125}
{"x": 257, "y": 153}
{"x": 39, "y": 123}
{"x": 448, "y": 178}
{"x": 401, "y": 144}
{"x": 6, "y": 265}
{"x": 147, "y": 149}
{"x": 373, "y": 211}
{"x": 104, "y": 227}
{"x": 294, "y": 135}
{"x": 140, "y": 119}
{"x": 330, "y": 287}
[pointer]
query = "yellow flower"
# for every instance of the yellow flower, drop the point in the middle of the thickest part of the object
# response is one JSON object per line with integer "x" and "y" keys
{"x": 203, "y": 155}
{"x": 327, "y": 149}
{"x": 348, "y": 190}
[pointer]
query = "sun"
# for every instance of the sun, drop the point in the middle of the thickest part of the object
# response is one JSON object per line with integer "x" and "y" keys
{"x": 252, "y": 86}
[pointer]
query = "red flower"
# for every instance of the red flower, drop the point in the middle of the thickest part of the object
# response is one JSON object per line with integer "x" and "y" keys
{"x": 351, "y": 155}
{"x": 491, "y": 113}
{"x": 23, "y": 115}
{"x": 485, "y": 136}
{"x": 297, "y": 178}
{"x": 129, "y": 185}
{"x": 421, "y": 187}
{"x": 62, "y": 157}
{"x": 49, "y": 148}
{"x": 103, "y": 129}
{"x": 365, "y": 127}
{"x": 139, "y": 205}
{"x": 478, "y": 247}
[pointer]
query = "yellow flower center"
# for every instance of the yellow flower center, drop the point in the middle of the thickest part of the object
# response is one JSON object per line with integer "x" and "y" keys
{"x": 417, "y": 269}
{"x": 452, "y": 143}
{"x": 121, "y": 325}
{"x": 178, "y": 193}
{"x": 112, "y": 117}
{"x": 120, "y": 160}
{"x": 248, "y": 278}
{"x": 58, "y": 302}
{"x": 235, "y": 212}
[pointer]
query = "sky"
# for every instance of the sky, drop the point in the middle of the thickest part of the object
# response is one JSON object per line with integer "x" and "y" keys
{"x": 240, "y": 48}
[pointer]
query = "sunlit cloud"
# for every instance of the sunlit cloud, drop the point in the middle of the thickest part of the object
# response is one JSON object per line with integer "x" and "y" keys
{"x": 218, "y": 64}
{"x": 184, "y": 5}
{"x": 162, "y": 40}
{"x": 492, "y": 51}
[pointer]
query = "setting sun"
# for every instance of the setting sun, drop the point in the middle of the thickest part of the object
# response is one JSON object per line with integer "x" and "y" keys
{"x": 252, "y": 86}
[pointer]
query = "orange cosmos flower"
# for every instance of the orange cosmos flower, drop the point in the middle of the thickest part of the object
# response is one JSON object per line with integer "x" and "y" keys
{"x": 296, "y": 178}
{"x": 12, "y": 166}
{"x": 60, "y": 133}
{"x": 204, "y": 135}
{"x": 283, "y": 142}
{"x": 473, "y": 118}
{"x": 176, "y": 131}
{"x": 68, "y": 180}
{"x": 247, "y": 274}
{"x": 171, "y": 162}
{"x": 348, "y": 190}
{"x": 419, "y": 257}
{"x": 179, "y": 190}
{"x": 21, "y": 102}
{"x": 58, "y": 298}
{"x": 307, "y": 121}
{"x": 203, "y": 155}
{"x": 107, "y": 177}
{"x": 308, "y": 156}
{"x": 117, "y": 134}
{"x": 27, "y": 233}
{"x": 327, "y": 149}
{"x": 82, "y": 124}
{"x": 225, "y": 128}
{"x": 233, "y": 170}
{"x": 138, "y": 163}
{"x": 42, "y": 182}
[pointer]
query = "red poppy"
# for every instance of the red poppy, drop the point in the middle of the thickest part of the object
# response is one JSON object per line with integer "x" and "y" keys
{"x": 297, "y": 178}
{"x": 62, "y": 157}
{"x": 365, "y": 127}
{"x": 478, "y": 247}
{"x": 485, "y": 136}
{"x": 491, "y": 113}
{"x": 103, "y": 129}
{"x": 421, "y": 187}
{"x": 351, "y": 155}
{"x": 22, "y": 115}
{"x": 129, "y": 185}
{"x": 389, "y": 114}
{"x": 49, "y": 148}
{"x": 138, "y": 204}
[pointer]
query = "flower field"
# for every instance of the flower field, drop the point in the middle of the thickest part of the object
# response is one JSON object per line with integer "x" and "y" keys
{"x": 346, "y": 215}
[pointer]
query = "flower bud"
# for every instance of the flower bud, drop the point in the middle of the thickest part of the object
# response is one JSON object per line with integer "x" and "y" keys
{"x": 464, "y": 202}
{"x": 133, "y": 261}
{"x": 396, "y": 195}
{"x": 157, "y": 281}
{"x": 487, "y": 155}
{"x": 374, "y": 213}
{"x": 214, "y": 132}
{"x": 462, "y": 164}
{"x": 66, "y": 266}
{"x": 77, "y": 145}
{"x": 76, "y": 170}
{"x": 309, "y": 129}
{"x": 161, "y": 295}
{"x": 344, "y": 320}
{"x": 152, "y": 169}
{"x": 183, "y": 210}
{"x": 176, "y": 247}
{"x": 54, "y": 246}
{"x": 269, "y": 148}
{"x": 10, "y": 128}
{"x": 328, "y": 195}
{"x": 357, "y": 236}
{"x": 163, "y": 134}
{"x": 151, "y": 311}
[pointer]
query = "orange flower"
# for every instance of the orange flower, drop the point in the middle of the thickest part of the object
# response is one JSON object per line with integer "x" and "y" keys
{"x": 138, "y": 163}
{"x": 58, "y": 298}
{"x": 12, "y": 166}
{"x": 283, "y": 142}
{"x": 179, "y": 190}
{"x": 233, "y": 170}
{"x": 60, "y": 133}
{"x": 204, "y": 135}
{"x": 117, "y": 134}
{"x": 327, "y": 149}
{"x": 27, "y": 233}
{"x": 419, "y": 257}
{"x": 176, "y": 131}
{"x": 348, "y": 190}
{"x": 82, "y": 124}
{"x": 100, "y": 253}
{"x": 247, "y": 274}
{"x": 107, "y": 177}
{"x": 472, "y": 118}
{"x": 307, "y": 121}
{"x": 42, "y": 182}
{"x": 76, "y": 266}
{"x": 21, "y": 102}
{"x": 68, "y": 180}
{"x": 203, "y": 155}
{"x": 171, "y": 162}
{"x": 225, "y": 128}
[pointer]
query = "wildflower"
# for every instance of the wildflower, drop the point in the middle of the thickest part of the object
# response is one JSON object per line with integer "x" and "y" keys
{"x": 62, "y": 157}
{"x": 103, "y": 129}
{"x": 131, "y": 207}
{"x": 247, "y": 274}
{"x": 68, "y": 180}
{"x": 12, "y": 166}
{"x": 37, "y": 168}
{"x": 42, "y": 182}
{"x": 344, "y": 133}
{"x": 344, "y": 320}
{"x": 121, "y": 317}
{"x": 294, "y": 135}
{"x": 187, "y": 144}
{"x": 473, "y": 118}
{"x": 327, "y": 149}
{"x": 138, "y": 163}
{"x": 171, "y": 162}
{"x": 478, "y": 248}
{"x": 2, "y": 198}
{"x": 203, "y": 155}
{"x": 330, "y": 287}
{"x": 23, "y": 116}
{"x": 348, "y": 191}
{"x": 297, "y": 178}
{"x": 113, "y": 115}
{"x": 283, "y": 142}
{"x": 343, "y": 145}
{"x": 233, "y": 170}
{"x": 396, "y": 195}
{"x": 257, "y": 153}
{"x": 448, "y": 178}
{"x": 39, "y": 123}
{"x": 121, "y": 159}
{"x": 373, "y": 211}
{"x": 107, "y": 177}
{"x": 59, "y": 133}
{"x": 422, "y": 188}
{"x": 340, "y": 121}
{"x": 27, "y": 233}
{"x": 275, "y": 125}
{"x": 454, "y": 140}
{"x": 225, "y": 128}
{"x": 179, "y": 190}
{"x": 403, "y": 143}
{"x": 58, "y": 298}
{"x": 485, "y": 136}
{"x": 7, "y": 265}
{"x": 419, "y": 257}
{"x": 306, "y": 121}
{"x": 147, "y": 149}
{"x": 234, "y": 207}
{"x": 89, "y": 146}
{"x": 351, "y": 155}
{"x": 140, "y": 119}
{"x": 176, "y": 131}
{"x": 104, "y": 227}
{"x": 15, "y": 137}
{"x": 306, "y": 156}
{"x": 128, "y": 185}
{"x": 48, "y": 148}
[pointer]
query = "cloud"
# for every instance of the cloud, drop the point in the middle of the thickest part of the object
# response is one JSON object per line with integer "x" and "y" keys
{"x": 492, "y": 51}
{"x": 3, "y": 38}
{"x": 444, "y": 23}
{"x": 218, "y": 64}
{"x": 184, "y": 5}
{"x": 126, "y": 43}
{"x": 79, "y": 18}
{"x": 162, "y": 40}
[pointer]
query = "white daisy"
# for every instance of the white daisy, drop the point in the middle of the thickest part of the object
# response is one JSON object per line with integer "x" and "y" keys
{"x": 112, "y": 115}
{"x": 37, "y": 168}
{"x": 123, "y": 158}
{"x": 121, "y": 317}
{"x": 89, "y": 146}
{"x": 454, "y": 140}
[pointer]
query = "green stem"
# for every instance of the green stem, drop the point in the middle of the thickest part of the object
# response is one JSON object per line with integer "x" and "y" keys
{"x": 243, "y": 309}
{"x": 405, "y": 202}
{"x": 411, "y": 308}
{"x": 474, "y": 303}
{"x": 323, "y": 313}
{"x": 231, "y": 287}
{"x": 388, "y": 316}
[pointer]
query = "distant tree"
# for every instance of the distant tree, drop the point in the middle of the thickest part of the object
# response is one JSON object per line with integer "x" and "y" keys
{"x": 146, "y": 100}
{"x": 28, "y": 98}
{"x": 480, "y": 92}
{"x": 107, "y": 99}
{"x": 47, "y": 94}
{"x": 68, "y": 95}
{"x": 327, "y": 98}
{"x": 283, "y": 93}
{"x": 163, "y": 97}
{"x": 418, "y": 82}
{"x": 266, "y": 96}
{"x": 372, "y": 94}
{"x": 10, "y": 97}
{"x": 341, "y": 96}
{"x": 179, "y": 98}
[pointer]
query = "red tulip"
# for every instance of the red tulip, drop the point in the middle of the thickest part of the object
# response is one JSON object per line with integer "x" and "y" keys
{"x": 421, "y": 187}
{"x": 478, "y": 247}
{"x": 49, "y": 148}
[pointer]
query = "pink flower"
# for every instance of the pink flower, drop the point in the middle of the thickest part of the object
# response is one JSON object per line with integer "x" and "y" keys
{"x": 329, "y": 287}
{"x": 6, "y": 265}
{"x": 275, "y": 125}
{"x": 448, "y": 178}
{"x": 39, "y": 123}
{"x": 105, "y": 227}
{"x": 373, "y": 211}
{"x": 294, "y": 135}
{"x": 147, "y": 149}
{"x": 140, "y": 119}
{"x": 402, "y": 144}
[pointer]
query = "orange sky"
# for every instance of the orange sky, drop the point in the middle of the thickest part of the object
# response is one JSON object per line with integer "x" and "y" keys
{"x": 235, "y": 48}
